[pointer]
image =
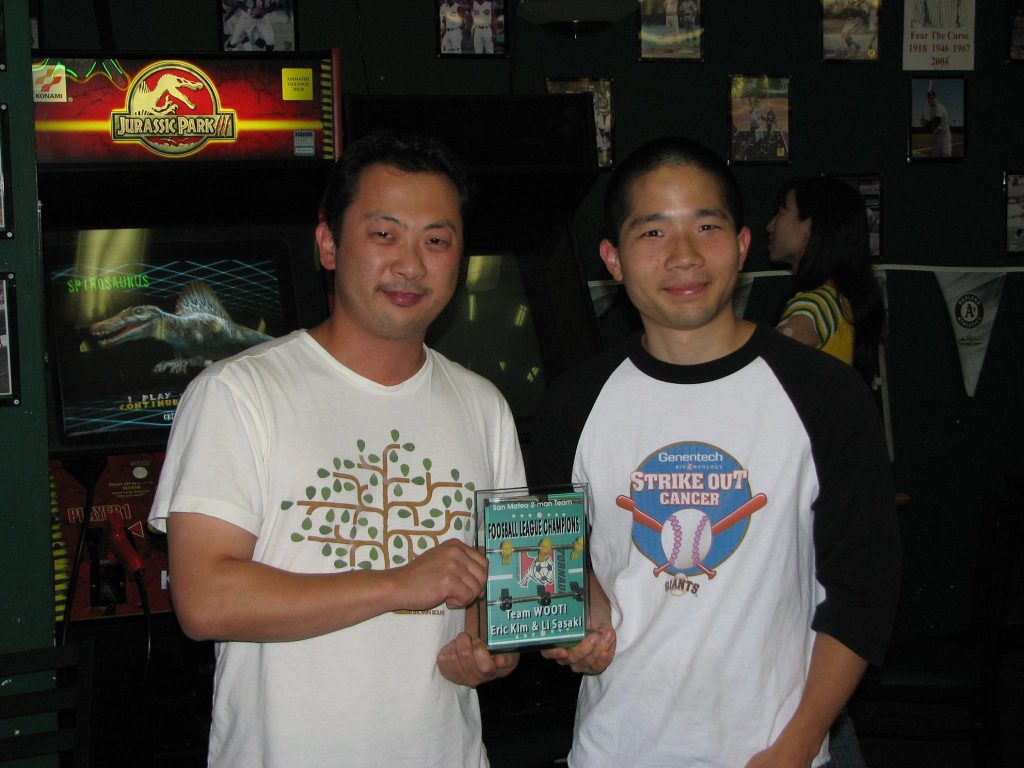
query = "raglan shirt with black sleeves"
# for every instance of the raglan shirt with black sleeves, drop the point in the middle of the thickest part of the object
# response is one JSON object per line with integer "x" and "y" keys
{"x": 774, "y": 418}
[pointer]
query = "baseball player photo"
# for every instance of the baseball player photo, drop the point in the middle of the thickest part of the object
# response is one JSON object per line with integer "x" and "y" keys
{"x": 1015, "y": 212}
{"x": 257, "y": 25}
{"x": 670, "y": 29}
{"x": 937, "y": 130}
{"x": 849, "y": 30}
{"x": 1015, "y": 26}
{"x": 471, "y": 28}
{"x": 760, "y": 119}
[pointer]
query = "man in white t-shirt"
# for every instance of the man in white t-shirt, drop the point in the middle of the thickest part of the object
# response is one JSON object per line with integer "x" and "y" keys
{"x": 318, "y": 496}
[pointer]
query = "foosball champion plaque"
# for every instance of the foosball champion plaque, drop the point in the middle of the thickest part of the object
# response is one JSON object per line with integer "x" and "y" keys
{"x": 535, "y": 544}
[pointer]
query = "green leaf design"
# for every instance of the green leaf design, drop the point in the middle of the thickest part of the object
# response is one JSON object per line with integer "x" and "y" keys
{"x": 374, "y": 554}
{"x": 470, "y": 486}
{"x": 325, "y": 492}
{"x": 398, "y": 559}
{"x": 325, "y": 530}
{"x": 345, "y": 516}
{"x": 405, "y": 513}
{"x": 329, "y": 516}
{"x": 374, "y": 458}
{"x": 340, "y": 551}
{"x": 458, "y": 495}
{"x": 323, "y": 473}
{"x": 306, "y": 524}
{"x": 349, "y": 486}
{"x": 427, "y": 464}
{"x": 339, "y": 564}
{"x": 447, "y": 500}
{"x": 353, "y": 533}
{"x": 418, "y": 481}
{"x": 337, "y": 463}
{"x": 297, "y": 537}
{"x": 398, "y": 490}
{"x": 421, "y": 543}
{"x": 337, "y": 485}
{"x": 455, "y": 474}
{"x": 310, "y": 491}
{"x": 435, "y": 512}
{"x": 427, "y": 523}
{"x": 408, "y": 447}
{"x": 326, "y": 551}
{"x": 374, "y": 480}
{"x": 367, "y": 498}
{"x": 287, "y": 504}
{"x": 404, "y": 469}
{"x": 363, "y": 522}
{"x": 366, "y": 565}
{"x": 349, "y": 464}
{"x": 393, "y": 456}
{"x": 361, "y": 444}
{"x": 457, "y": 524}
{"x": 469, "y": 503}
{"x": 394, "y": 435}
{"x": 372, "y": 532}
{"x": 399, "y": 543}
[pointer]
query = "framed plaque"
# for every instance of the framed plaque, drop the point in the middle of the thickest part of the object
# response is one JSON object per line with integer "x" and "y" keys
{"x": 10, "y": 393}
{"x": 536, "y": 548}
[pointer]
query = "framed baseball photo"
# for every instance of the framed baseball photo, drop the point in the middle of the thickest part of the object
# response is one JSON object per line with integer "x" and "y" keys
{"x": 759, "y": 113}
{"x": 849, "y": 30}
{"x": 671, "y": 30}
{"x": 937, "y": 127}
{"x": 9, "y": 379}
{"x": 869, "y": 185}
{"x": 258, "y": 25}
{"x": 1015, "y": 29}
{"x": 6, "y": 197}
{"x": 1013, "y": 185}
{"x": 472, "y": 27}
{"x": 601, "y": 88}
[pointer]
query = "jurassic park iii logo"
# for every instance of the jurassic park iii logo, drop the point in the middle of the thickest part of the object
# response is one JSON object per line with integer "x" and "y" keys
{"x": 173, "y": 109}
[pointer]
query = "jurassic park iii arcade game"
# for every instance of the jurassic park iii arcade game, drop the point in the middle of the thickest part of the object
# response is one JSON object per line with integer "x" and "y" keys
{"x": 178, "y": 201}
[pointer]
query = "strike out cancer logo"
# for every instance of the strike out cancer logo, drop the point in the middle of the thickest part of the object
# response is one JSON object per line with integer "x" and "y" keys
{"x": 691, "y": 506}
{"x": 173, "y": 109}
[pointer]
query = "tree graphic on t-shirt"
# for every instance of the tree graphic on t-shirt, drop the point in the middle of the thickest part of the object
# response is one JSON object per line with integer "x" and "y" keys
{"x": 381, "y": 508}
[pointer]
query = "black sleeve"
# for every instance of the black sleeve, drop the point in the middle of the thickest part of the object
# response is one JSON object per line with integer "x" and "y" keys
{"x": 562, "y": 415}
{"x": 856, "y": 535}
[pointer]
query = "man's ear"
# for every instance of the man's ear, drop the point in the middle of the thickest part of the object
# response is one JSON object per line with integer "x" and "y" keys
{"x": 610, "y": 257}
{"x": 743, "y": 239}
{"x": 326, "y": 245}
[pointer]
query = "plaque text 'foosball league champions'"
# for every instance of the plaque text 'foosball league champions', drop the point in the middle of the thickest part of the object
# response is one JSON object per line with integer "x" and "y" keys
{"x": 536, "y": 579}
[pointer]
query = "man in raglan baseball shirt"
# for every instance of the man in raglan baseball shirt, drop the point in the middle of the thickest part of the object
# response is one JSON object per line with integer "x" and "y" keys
{"x": 744, "y": 538}
{"x": 318, "y": 497}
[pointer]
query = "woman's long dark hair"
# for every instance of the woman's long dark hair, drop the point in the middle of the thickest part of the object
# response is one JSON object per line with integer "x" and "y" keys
{"x": 839, "y": 250}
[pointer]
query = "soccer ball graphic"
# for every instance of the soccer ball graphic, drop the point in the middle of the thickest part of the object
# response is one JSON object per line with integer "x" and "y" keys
{"x": 540, "y": 571}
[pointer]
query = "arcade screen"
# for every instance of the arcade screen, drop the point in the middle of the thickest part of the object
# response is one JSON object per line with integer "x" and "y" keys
{"x": 135, "y": 314}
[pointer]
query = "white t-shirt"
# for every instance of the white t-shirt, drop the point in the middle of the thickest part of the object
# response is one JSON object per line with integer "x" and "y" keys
{"x": 334, "y": 472}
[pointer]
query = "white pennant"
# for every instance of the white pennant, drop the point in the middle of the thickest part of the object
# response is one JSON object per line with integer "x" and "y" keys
{"x": 972, "y": 301}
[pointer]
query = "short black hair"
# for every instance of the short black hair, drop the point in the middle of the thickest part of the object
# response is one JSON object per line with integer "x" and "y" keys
{"x": 668, "y": 151}
{"x": 409, "y": 152}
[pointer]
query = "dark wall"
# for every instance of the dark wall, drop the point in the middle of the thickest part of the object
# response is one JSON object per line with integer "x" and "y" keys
{"x": 846, "y": 118}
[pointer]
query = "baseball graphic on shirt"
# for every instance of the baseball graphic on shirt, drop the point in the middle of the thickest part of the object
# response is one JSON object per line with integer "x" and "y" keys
{"x": 686, "y": 538}
{"x": 691, "y": 505}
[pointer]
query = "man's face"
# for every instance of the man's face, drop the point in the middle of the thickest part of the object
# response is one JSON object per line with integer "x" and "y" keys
{"x": 397, "y": 260}
{"x": 679, "y": 251}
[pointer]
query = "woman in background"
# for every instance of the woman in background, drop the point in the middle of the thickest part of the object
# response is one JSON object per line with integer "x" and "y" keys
{"x": 820, "y": 230}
